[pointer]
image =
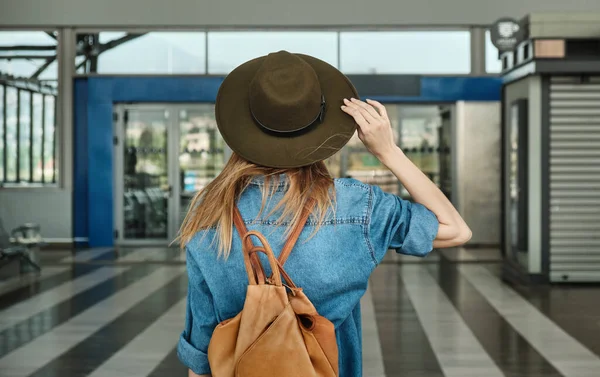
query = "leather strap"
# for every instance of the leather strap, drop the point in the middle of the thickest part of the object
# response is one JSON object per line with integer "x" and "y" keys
{"x": 249, "y": 248}
{"x": 256, "y": 273}
{"x": 291, "y": 241}
{"x": 284, "y": 274}
{"x": 266, "y": 248}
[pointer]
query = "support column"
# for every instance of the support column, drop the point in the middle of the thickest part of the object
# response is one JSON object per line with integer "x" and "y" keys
{"x": 64, "y": 126}
{"x": 478, "y": 51}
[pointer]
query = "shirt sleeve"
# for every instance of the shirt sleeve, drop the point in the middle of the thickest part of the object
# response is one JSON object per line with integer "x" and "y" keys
{"x": 395, "y": 223}
{"x": 200, "y": 321}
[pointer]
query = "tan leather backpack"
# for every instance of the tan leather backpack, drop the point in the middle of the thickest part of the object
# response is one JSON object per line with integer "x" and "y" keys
{"x": 278, "y": 332}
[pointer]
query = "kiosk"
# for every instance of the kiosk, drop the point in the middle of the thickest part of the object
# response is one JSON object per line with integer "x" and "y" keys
{"x": 551, "y": 149}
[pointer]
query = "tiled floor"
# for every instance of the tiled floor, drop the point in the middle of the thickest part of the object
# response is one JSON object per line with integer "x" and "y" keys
{"x": 104, "y": 313}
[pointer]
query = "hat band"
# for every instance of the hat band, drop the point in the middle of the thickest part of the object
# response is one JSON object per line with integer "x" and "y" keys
{"x": 318, "y": 119}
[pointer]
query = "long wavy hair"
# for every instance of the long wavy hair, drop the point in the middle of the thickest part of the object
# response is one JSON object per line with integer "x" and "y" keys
{"x": 213, "y": 206}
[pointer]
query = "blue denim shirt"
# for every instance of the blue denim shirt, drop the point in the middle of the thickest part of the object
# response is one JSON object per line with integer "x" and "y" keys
{"x": 332, "y": 266}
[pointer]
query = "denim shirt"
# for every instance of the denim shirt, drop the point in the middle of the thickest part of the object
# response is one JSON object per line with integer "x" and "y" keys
{"x": 332, "y": 265}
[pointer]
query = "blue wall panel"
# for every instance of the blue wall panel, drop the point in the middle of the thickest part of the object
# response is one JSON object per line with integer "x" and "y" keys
{"x": 100, "y": 172}
{"x": 452, "y": 89}
{"x": 80, "y": 163}
{"x": 461, "y": 88}
{"x": 96, "y": 96}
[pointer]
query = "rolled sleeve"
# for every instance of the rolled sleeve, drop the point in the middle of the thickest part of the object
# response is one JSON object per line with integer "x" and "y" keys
{"x": 407, "y": 227}
{"x": 192, "y": 357}
{"x": 200, "y": 321}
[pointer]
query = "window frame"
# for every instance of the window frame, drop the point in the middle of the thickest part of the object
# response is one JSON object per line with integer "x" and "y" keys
{"x": 28, "y": 180}
{"x": 336, "y": 29}
{"x": 45, "y": 87}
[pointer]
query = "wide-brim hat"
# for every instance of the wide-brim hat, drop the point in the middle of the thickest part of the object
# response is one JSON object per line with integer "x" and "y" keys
{"x": 283, "y": 110}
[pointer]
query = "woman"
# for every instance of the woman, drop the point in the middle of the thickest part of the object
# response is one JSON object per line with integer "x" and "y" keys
{"x": 282, "y": 115}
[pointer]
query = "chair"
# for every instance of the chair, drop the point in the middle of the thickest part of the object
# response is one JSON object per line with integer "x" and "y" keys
{"x": 27, "y": 236}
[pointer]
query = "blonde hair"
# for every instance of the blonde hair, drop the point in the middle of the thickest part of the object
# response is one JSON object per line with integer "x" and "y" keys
{"x": 213, "y": 206}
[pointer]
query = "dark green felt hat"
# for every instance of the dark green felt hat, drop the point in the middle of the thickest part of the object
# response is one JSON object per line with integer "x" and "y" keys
{"x": 283, "y": 110}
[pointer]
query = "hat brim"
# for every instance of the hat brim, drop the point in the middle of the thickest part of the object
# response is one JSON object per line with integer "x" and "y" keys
{"x": 250, "y": 141}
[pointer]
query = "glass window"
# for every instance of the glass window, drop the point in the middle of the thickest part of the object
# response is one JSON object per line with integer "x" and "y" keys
{"x": 50, "y": 75}
{"x": 362, "y": 165}
{"x": 493, "y": 64}
{"x": 11, "y": 134}
{"x": 27, "y": 136}
{"x": 416, "y": 130}
{"x": 150, "y": 53}
{"x": 28, "y": 71}
{"x": 49, "y": 155}
{"x": 405, "y": 52}
{"x": 80, "y": 64}
{"x": 201, "y": 151}
{"x": 35, "y": 57}
{"x": 228, "y": 49}
{"x": 24, "y": 134}
{"x": 420, "y": 140}
{"x": 37, "y": 137}
{"x": 108, "y": 36}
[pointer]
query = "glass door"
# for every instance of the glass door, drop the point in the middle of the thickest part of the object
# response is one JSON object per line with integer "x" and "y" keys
{"x": 164, "y": 154}
{"x": 201, "y": 153}
{"x": 143, "y": 190}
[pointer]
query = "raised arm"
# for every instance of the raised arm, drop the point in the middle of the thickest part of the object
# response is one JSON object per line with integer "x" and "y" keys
{"x": 375, "y": 131}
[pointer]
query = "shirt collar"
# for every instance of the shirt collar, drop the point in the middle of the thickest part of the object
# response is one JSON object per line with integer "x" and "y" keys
{"x": 259, "y": 180}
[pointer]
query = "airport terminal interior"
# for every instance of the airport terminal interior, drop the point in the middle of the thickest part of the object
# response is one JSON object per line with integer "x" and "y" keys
{"x": 108, "y": 129}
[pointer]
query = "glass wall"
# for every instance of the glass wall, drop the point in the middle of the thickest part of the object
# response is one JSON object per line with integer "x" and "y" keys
{"x": 219, "y": 52}
{"x": 28, "y": 91}
{"x": 29, "y": 54}
{"x": 416, "y": 130}
{"x": 227, "y": 50}
{"x": 405, "y": 52}
{"x": 141, "y": 53}
{"x": 492, "y": 62}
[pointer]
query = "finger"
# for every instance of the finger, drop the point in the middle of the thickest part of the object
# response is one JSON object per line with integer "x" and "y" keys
{"x": 358, "y": 118}
{"x": 356, "y": 114}
{"x": 368, "y": 117}
{"x": 378, "y": 106}
{"x": 367, "y": 107}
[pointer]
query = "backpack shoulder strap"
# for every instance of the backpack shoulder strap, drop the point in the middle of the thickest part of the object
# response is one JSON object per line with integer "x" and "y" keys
{"x": 238, "y": 222}
{"x": 291, "y": 241}
{"x": 255, "y": 270}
